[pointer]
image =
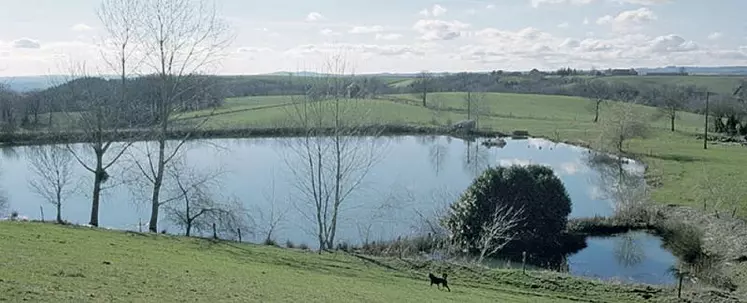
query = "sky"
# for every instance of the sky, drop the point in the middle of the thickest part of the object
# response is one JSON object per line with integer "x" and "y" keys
{"x": 39, "y": 36}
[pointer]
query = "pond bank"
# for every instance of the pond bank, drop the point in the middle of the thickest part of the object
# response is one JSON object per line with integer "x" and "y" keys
{"x": 721, "y": 241}
{"x": 45, "y": 137}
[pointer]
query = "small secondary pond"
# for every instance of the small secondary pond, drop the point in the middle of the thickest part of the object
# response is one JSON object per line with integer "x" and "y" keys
{"x": 415, "y": 174}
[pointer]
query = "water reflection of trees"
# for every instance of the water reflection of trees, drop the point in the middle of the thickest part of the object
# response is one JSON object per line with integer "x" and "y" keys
{"x": 9, "y": 152}
{"x": 476, "y": 158}
{"x": 437, "y": 151}
{"x": 619, "y": 182}
{"x": 628, "y": 250}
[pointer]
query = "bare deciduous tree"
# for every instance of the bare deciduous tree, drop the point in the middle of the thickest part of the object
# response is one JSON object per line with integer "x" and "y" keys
{"x": 193, "y": 205}
{"x": 270, "y": 222}
{"x": 598, "y": 92}
{"x": 100, "y": 126}
{"x": 180, "y": 39}
{"x": 673, "y": 100}
{"x": 52, "y": 166}
{"x": 626, "y": 122}
{"x": 332, "y": 158}
{"x": 477, "y": 106}
{"x": 499, "y": 230}
{"x": 422, "y": 85}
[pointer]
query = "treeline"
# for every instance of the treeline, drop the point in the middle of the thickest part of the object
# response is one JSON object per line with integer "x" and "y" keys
{"x": 36, "y": 108}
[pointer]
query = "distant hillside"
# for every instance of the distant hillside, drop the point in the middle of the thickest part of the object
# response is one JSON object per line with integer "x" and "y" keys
{"x": 698, "y": 70}
{"x": 29, "y": 83}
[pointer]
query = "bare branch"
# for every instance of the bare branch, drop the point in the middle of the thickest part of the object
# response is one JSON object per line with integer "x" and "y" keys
{"x": 52, "y": 167}
{"x": 331, "y": 160}
{"x": 499, "y": 231}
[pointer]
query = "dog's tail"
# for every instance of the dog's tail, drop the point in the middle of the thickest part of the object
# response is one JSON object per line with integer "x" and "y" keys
{"x": 445, "y": 276}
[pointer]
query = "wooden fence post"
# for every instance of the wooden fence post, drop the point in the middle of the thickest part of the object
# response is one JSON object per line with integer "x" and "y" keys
{"x": 41, "y": 209}
{"x": 524, "y": 262}
{"x": 679, "y": 286}
{"x": 239, "y": 231}
{"x": 215, "y": 234}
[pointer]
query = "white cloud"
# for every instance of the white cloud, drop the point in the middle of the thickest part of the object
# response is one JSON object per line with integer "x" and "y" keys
{"x": 586, "y": 21}
{"x": 564, "y": 25}
{"x": 366, "y": 29}
{"x": 643, "y": 2}
{"x": 628, "y": 20}
{"x": 538, "y": 3}
{"x": 314, "y": 16}
{"x": 391, "y": 36}
{"x": 81, "y": 27}
{"x": 432, "y": 30}
{"x": 436, "y": 11}
{"x": 715, "y": 36}
{"x": 510, "y": 162}
{"x": 532, "y": 48}
{"x": 252, "y": 49}
{"x": 672, "y": 43}
{"x": 490, "y": 6}
{"x": 328, "y": 32}
{"x": 26, "y": 43}
{"x": 570, "y": 168}
{"x": 569, "y": 43}
{"x": 366, "y": 49}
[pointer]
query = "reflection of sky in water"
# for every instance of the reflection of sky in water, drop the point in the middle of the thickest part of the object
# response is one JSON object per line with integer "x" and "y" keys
{"x": 601, "y": 259}
{"x": 415, "y": 174}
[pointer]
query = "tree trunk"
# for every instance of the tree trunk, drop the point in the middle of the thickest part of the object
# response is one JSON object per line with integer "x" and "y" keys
{"x": 671, "y": 120}
{"x": 425, "y": 93}
{"x": 596, "y": 112}
{"x": 188, "y": 216}
{"x": 59, "y": 213}
{"x": 97, "y": 180}
{"x": 59, "y": 206}
{"x": 157, "y": 182}
{"x": 482, "y": 254}
{"x": 338, "y": 187}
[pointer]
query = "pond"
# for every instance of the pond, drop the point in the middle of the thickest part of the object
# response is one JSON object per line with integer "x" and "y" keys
{"x": 413, "y": 175}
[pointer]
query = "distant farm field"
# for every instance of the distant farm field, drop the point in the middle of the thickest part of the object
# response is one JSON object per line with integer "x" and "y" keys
{"x": 717, "y": 84}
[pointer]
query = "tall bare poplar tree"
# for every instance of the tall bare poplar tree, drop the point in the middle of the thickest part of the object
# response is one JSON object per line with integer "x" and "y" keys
{"x": 179, "y": 39}
{"x": 332, "y": 158}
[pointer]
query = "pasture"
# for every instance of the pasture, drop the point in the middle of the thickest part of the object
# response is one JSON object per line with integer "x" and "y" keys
{"x": 52, "y": 263}
{"x": 724, "y": 85}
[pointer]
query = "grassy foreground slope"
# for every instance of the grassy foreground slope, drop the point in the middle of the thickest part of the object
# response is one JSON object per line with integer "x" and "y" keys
{"x": 676, "y": 160}
{"x": 52, "y": 263}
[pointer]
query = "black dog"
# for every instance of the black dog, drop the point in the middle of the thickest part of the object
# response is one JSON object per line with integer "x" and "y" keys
{"x": 439, "y": 281}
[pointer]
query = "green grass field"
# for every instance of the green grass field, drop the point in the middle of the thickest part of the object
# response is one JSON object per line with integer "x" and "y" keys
{"x": 51, "y": 263}
{"x": 717, "y": 84}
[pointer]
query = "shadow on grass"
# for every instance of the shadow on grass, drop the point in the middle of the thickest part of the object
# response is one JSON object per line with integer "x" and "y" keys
{"x": 672, "y": 157}
{"x": 374, "y": 261}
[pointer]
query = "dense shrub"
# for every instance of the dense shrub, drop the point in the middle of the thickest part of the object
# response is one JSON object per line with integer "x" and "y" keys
{"x": 534, "y": 188}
